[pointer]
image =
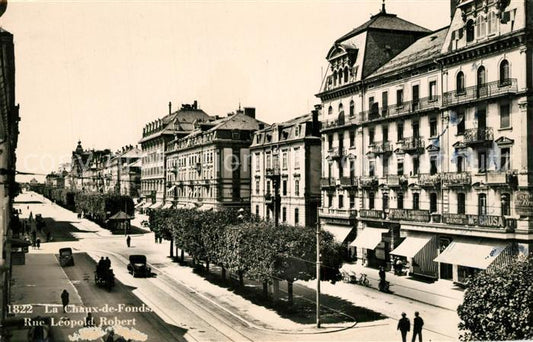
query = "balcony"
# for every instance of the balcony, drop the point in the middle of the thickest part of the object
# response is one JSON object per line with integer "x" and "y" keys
{"x": 327, "y": 183}
{"x": 456, "y": 179}
{"x": 269, "y": 198}
{"x": 488, "y": 90}
{"x": 338, "y": 123}
{"x": 338, "y": 213}
{"x": 335, "y": 153}
{"x": 348, "y": 182}
{"x": 427, "y": 180}
{"x": 396, "y": 181}
{"x": 272, "y": 172}
{"x": 368, "y": 182}
{"x": 406, "y": 107}
{"x": 478, "y": 136}
{"x": 413, "y": 145}
{"x": 380, "y": 148}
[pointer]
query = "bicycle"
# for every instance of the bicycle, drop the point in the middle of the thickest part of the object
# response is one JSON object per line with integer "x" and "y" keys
{"x": 348, "y": 277}
{"x": 363, "y": 280}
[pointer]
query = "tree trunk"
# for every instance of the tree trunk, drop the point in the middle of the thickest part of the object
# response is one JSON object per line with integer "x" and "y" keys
{"x": 172, "y": 248}
{"x": 290, "y": 292}
{"x": 182, "y": 255}
{"x": 241, "y": 279}
{"x": 223, "y": 273}
{"x": 207, "y": 265}
{"x": 265, "y": 289}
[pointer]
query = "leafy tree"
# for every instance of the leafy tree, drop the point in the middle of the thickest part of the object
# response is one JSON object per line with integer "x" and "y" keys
{"x": 498, "y": 303}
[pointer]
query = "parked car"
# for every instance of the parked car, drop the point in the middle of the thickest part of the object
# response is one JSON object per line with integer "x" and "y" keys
{"x": 65, "y": 257}
{"x": 137, "y": 266}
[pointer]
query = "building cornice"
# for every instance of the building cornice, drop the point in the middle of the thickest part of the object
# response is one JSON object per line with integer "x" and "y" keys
{"x": 347, "y": 89}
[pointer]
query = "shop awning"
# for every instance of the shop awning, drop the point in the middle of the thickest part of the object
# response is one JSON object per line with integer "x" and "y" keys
{"x": 156, "y": 205}
{"x": 138, "y": 205}
{"x": 339, "y": 233}
{"x": 411, "y": 246}
{"x": 167, "y": 206}
{"x": 473, "y": 253}
{"x": 368, "y": 238}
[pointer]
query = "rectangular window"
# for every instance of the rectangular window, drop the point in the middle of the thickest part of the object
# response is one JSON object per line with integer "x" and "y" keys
{"x": 268, "y": 161}
{"x": 385, "y": 131}
{"x": 296, "y": 156}
{"x": 284, "y": 187}
{"x": 330, "y": 201}
{"x": 385, "y": 165}
{"x": 257, "y": 187}
{"x": 370, "y": 200}
{"x": 432, "y": 90}
{"x": 416, "y": 96}
{"x": 352, "y": 138}
{"x": 416, "y": 129}
{"x": 256, "y": 210}
{"x": 399, "y": 199}
{"x": 433, "y": 165}
{"x": 330, "y": 141}
{"x": 506, "y": 204}
{"x": 416, "y": 165}
{"x": 399, "y": 97}
{"x": 285, "y": 160}
{"x": 296, "y": 216}
{"x": 433, "y": 202}
{"x": 284, "y": 214}
{"x": 384, "y": 103}
{"x": 399, "y": 131}
{"x": 505, "y": 118}
{"x": 352, "y": 169}
{"x": 371, "y": 135}
{"x": 385, "y": 201}
{"x": 352, "y": 201}
{"x": 268, "y": 187}
{"x": 482, "y": 161}
{"x": 416, "y": 201}
{"x": 399, "y": 167}
{"x": 460, "y": 164}
{"x": 297, "y": 187}
{"x": 371, "y": 168}
{"x": 505, "y": 159}
{"x": 461, "y": 123}
{"x": 482, "y": 204}
{"x": 257, "y": 161}
{"x": 433, "y": 127}
{"x": 341, "y": 201}
{"x": 461, "y": 203}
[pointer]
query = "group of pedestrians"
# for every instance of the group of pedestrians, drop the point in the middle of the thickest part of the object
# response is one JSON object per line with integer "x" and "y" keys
{"x": 404, "y": 325}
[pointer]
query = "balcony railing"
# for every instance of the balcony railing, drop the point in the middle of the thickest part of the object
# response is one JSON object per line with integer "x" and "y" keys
{"x": 455, "y": 97}
{"x": 348, "y": 182}
{"x": 406, "y": 107}
{"x": 395, "y": 181}
{"x": 380, "y": 148}
{"x": 272, "y": 172}
{"x": 455, "y": 179}
{"x": 476, "y": 136}
{"x": 340, "y": 213}
{"x": 335, "y": 153}
{"x": 327, "y": 182}
{"x": 429, "y": 180}
{"x": 413, "y": 145}
{"x": 368, "y": 181}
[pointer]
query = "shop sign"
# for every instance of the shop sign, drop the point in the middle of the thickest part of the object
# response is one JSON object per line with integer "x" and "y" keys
{"x": 369, "y": 213}
{"x": 474, "y": 220}
{"x": 341, "y": 222}
{"x": 409, "y": 215}
{"x": 523, "y": 203}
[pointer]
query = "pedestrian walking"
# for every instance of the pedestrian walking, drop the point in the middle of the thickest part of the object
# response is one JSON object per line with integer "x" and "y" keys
{"x": 418, "y": 323}
{"x": 404, "y": 325}
{"x": 38, "y": 243}
{"x": 128, "y": 241}
{"x": 89, "y": 320}
{"x": 64, "y": 299}
{"x": 381, "y": 273}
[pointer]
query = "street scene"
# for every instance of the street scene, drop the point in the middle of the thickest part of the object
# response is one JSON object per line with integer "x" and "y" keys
{"x": 266, "y": 171}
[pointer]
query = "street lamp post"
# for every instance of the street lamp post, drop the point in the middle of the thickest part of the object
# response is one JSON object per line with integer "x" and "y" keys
{"x": 318, "y": 273}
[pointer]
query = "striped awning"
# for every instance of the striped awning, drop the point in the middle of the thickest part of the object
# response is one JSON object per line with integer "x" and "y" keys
{"x": 368, "y": 238}
{"x": 411, "y": 246}
{"x": 476, "y": 254}
{"x": 339, "y": 233}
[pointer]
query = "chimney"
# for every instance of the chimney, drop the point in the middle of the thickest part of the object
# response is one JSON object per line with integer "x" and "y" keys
{"x": 195, "y": 105}
{"x": 249, "y": 111}
{"x": 453, "y": 7}
{"x": 169, "y": 107}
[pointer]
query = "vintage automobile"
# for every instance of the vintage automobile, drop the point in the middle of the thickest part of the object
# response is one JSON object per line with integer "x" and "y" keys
{"x": 104, "y": 278}
{"x": 65, "y": 257}
{"x": 137, "y": 266}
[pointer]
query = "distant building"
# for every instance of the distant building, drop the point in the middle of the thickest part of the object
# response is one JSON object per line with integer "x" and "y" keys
{"x": 124, "y": 172}
{"x": 286, "y": 171}
{"x": 210, "y": 167}
{"x": 86, "y": 169}
{"x": 55, "y": 180}
{"x": 155, "y": 141}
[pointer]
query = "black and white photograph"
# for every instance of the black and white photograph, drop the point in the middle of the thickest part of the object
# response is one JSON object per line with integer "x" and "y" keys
{"x": 270, "y": 171}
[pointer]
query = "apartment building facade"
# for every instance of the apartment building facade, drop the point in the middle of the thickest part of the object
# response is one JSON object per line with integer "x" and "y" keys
{"x": 155, "y": 141}
{"x": 441, "y": 175}
{"x": 286, "y": 169}
{"x": 209, "y": 168}
{"x": 124, "y": 172}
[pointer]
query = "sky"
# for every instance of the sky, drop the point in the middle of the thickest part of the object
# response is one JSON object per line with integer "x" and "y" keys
{"x": 98, "y": 71}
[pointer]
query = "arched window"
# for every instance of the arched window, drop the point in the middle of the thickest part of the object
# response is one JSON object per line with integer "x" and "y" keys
{"x": 346, "y": 75}
{"x": 330, "y": 110}
{"x": 352, "y": 108}
{"x": 481, "y": 76}
{"x": 460, "y": 86}
{"x": 469, "y": 31}
{"x": 506, "y": 204}
{"x": 335, "y": 78}
{"x": 504, "y": 73}
{"x": 341, "y": 108}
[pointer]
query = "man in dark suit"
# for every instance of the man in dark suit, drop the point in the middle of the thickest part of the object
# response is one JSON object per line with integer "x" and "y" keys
{"x": 404, "y": 325}
{"x": 418, "y": 322}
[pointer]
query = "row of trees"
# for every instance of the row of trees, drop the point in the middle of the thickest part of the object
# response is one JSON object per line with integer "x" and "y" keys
{"x": 244, "y": 245}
